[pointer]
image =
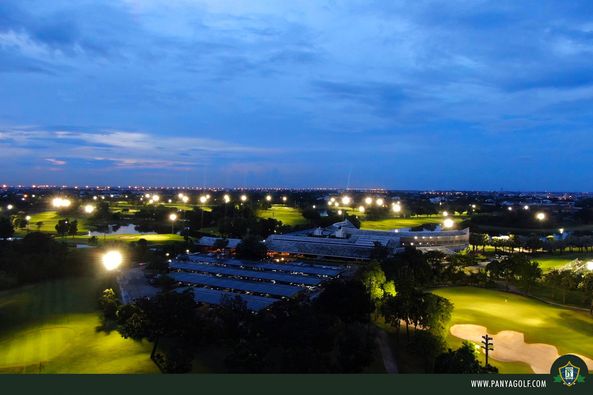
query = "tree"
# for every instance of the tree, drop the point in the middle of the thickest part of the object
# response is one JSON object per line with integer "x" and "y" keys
{"x": 6, "y": 228}
{"x": 109, "y": 303}
{"x": 376, "y": 283}
{"x": 252, "y": 248}
{"x": 62, "y": 227}
{"x": 73, "y": 228}
{"x": 168, "y": 314}
{"x": 346, "y": 299}
{"x": 529, "y": 273}
{"x": 463, "y": 360}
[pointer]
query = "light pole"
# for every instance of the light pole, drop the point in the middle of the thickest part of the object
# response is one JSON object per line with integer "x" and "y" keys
{"x": 487, "y": 345}
{"x": 173, "y": 218}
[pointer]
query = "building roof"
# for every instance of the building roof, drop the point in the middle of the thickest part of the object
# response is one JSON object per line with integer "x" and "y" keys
{"x": 207, "y": 241}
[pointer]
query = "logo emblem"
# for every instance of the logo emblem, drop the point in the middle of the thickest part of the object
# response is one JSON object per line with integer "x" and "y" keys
{"x": 569, "y": 374}
{"x": 569, "y": 370}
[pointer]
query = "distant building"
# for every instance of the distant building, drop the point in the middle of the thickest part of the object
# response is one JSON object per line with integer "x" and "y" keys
{"x": 344, "y": 241}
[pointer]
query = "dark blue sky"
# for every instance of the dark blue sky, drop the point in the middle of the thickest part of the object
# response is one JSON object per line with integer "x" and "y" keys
{"x": 410, "y": 95}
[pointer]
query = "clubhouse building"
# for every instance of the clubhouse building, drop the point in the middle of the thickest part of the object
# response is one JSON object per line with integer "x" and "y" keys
{"x": 343, "y": 240}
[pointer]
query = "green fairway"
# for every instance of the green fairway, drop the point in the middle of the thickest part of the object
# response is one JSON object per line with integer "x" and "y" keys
{"x": 52, "y": 328}
{"x": 568, "y": 330}
{"x": 50, "y": 220}
{"x": 554, "y": 261}
{"x": 157, "y": 238}
{"x": 395, "y": 223}
{"x": 288, "y": 215}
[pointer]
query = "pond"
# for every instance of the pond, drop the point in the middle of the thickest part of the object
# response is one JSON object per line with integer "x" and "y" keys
{"x": 129, "y": 229}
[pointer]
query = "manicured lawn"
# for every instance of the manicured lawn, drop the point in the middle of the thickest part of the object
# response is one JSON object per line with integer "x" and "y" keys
{"x": 52, "y": 328}
{"x": 395, "y": 223}
{"x": 288, "y": 215}
{"x": 158, "y": 238}
{"x": 50, "y": 220}
{"x": 568, "y": 330}
{"x": 554, "y": 261}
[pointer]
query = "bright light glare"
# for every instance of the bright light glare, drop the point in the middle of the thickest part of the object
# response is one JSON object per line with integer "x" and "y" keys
{"x": 449, "y": 223}
{"x": 368, "y": 200}
{"x": 243, "y": 198}
{"x": 184, "y": 199}
{"x": 284, "y": 198}
{"x": 397, "y": 208}
{"x": 269, "y": 198}
{"x": 590, "y": 265}
{"x": 226, "y": 198}
{"x": 156, "y": 198}
{"x": 361, "y": 209}
{"x": 112, "y": 260}
{"x": 346, "y": 200}
{"x": 445, "y": 214}
{"x": 339, "y": 212}
{"x": 60, "y": 202}
{"x": 173, "y": 217}
{"x": 525, "y": 207}
{"x": 10, "y": 207}
{"x": 28, "y": 218}
{"x": 89, "y": 208}
{"x": 203, "y": 199}
{"x": 380, "y": 202}
{"x": 540, "y": 216}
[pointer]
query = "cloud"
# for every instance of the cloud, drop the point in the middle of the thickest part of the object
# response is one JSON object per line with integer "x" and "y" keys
{"x": 56, "y": 162}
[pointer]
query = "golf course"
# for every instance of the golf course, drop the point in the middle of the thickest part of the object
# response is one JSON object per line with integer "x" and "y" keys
{"x": 569, "y": 331}
{"x": 52, "y": 327}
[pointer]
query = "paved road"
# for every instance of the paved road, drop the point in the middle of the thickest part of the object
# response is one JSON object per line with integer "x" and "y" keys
{"x": 388, "y": 358}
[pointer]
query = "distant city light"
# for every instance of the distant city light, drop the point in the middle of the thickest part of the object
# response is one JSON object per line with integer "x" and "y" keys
{"x": 89, "y": 208}
{"x": 448, "y": 223}
{"x": 332, "y": 200}
{"x": 361, "y": 209}
{"x": 112, "y": 260}
{"x": 147, "y": 196}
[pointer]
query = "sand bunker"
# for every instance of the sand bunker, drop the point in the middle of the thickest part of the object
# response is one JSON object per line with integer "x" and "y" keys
{"x": 510, "y": 346}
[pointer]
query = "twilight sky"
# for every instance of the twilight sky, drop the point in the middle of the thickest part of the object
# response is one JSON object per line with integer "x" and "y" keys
{"x": 413, "y": 95}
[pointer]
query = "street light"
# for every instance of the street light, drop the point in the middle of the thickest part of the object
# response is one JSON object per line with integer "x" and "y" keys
{"x": 590, "y": 265}
{"x": 445, "y": 214}
{"x": 525, "y": 207}
{"x": 10, "y": 207}
{"x": 269, "y": 198}
{"x": 448, "y": 223}
{"x": 346, "y": 200}
{"x": 89, "y": 208}
{"x": 173, "y": 218}
{"x": 203, "y": 199}
{"x": 397, "y": 208}
{"x": 184, "y": 199}
{"x": 540, "y": 216}
{"x": 361, "y": 209}
{"x": 243, "y": 198}
{"x": 226, "y": 198}
{"x": 368, "y": 200}
{"x": 380, "y": 202}
{"x": 561, "y": 231}
{"x": 112, "y": 260}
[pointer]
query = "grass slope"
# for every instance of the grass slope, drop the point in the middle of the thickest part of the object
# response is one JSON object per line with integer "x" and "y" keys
{"x": 568, "y": 330}
{"x": 288, "y": 215}
{"x": 52, "y": 328}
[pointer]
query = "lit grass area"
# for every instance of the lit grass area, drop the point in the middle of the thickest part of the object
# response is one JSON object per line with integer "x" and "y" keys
{"x": 288, "y": 215}
{"x": 395, "y": 223}
{"x": 568, "y": 330}
{"x": 50, "y": 220}
{"x": 554, "y": 261}
{"x": 52, "y": 328}
{"x": 158, "y": 238}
